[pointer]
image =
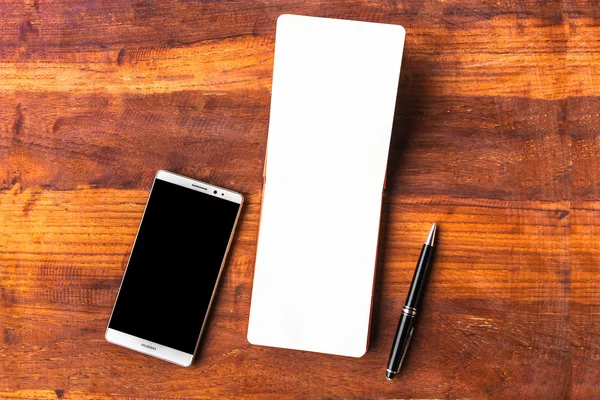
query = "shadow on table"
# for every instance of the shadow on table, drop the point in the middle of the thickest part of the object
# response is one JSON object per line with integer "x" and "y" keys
{"x": 413, "y": 90}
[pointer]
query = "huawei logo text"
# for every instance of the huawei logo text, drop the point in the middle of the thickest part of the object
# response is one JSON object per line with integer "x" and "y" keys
{"x": 149, "y": 347}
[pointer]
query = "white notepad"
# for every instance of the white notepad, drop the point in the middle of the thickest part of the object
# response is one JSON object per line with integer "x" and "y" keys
{"x": 334, "y": 93}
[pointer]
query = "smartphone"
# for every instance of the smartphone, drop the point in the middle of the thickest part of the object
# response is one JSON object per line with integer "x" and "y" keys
{"x": 174, "y": 268}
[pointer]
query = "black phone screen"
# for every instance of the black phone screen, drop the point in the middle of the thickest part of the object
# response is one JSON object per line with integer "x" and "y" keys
{"x": 174, "y": 266}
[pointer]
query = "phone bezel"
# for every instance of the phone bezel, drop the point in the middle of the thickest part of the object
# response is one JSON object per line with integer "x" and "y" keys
{"x": 156, "y": 349}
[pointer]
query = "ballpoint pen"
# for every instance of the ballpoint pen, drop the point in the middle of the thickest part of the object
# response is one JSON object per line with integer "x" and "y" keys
{"x": 409, "y": 312}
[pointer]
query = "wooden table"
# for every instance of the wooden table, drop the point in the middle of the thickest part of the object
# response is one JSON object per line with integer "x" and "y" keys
{"x": 496, "y": 138}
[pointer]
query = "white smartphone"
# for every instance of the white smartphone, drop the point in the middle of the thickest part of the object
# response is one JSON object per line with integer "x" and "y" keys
{"x": 174, "y": 268}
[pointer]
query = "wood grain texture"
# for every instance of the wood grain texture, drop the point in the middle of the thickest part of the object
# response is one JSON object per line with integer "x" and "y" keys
{"x": 496, "y": 138}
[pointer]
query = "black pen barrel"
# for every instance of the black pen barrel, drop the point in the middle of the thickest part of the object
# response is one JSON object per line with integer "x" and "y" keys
{"x": 418, "y": 281}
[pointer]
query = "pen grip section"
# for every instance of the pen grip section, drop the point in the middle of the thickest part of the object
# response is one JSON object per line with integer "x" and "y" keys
{"x": 401, "y": 341}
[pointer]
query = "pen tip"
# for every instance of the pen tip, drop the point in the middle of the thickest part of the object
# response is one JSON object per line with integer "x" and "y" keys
{"x": 431, "y": 236}
{"x": 389, "y": 375}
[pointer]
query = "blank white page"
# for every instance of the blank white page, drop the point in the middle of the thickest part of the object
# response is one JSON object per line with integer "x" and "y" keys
{"x": 332, "y": 108}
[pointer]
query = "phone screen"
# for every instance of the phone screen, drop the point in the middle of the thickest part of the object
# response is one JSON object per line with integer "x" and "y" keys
{"x": 174, "y": 266}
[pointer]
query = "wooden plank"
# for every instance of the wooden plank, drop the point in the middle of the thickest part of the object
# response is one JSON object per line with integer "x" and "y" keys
{"x": 535, "y": 50}
{"x": 491, "y": 147}
{"x": 503, "y": 303}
